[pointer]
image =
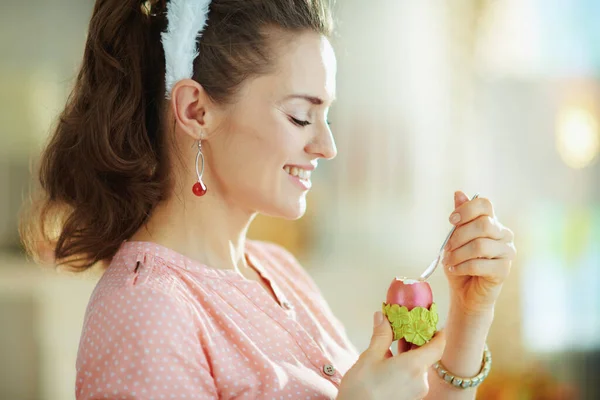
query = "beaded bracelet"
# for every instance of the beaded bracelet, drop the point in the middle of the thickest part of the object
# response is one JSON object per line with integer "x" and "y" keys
{"x": 465, "y": 383}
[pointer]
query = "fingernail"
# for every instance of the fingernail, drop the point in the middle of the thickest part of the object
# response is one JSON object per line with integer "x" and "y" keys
{"x": 447, "y": 246}
{"x": 455, "y": 218}
{"x": 450, "y": 269}
{"x": 377, "y": 318}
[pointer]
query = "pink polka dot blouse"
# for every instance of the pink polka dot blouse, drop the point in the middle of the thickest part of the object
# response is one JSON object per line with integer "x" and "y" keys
{"x": 161, "y": 326}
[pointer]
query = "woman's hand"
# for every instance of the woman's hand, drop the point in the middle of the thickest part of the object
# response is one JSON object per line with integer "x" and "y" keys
{"x": 478, "y": 256}
{"x": 380, "y": 375}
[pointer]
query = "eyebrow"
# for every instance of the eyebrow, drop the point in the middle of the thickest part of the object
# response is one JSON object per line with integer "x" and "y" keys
{"x": 312, "y": 99}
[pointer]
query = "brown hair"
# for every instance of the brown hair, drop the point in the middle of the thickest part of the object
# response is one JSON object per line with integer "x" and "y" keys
{"x": 105, "y": 166}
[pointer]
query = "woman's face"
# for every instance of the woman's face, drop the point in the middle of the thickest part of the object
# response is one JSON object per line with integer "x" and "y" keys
{"x": 274, "y": 135}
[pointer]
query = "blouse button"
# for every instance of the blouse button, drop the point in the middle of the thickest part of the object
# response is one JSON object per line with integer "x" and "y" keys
{"x": 329, "y": 369}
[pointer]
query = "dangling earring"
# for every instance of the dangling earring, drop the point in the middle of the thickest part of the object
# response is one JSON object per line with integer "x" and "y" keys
{"x": 199, "y": 187}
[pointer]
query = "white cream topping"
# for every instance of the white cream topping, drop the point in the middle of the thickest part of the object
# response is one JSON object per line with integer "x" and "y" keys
{"x": 409, "y": 281}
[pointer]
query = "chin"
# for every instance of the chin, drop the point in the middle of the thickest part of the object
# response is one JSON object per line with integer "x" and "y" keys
{"x": 290, "y": 211}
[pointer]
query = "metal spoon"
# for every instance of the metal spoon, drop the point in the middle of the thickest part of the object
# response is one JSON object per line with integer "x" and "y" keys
{"x": 434, "y": 264}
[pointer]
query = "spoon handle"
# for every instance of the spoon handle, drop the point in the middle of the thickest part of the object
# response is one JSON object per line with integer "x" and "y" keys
{"x": 432, "y": 267}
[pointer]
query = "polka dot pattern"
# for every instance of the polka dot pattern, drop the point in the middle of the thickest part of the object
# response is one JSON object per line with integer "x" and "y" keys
{"x": 161, "y": 326}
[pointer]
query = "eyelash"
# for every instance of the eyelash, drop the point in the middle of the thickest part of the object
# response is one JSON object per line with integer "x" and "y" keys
{"x": 302, "y": 124}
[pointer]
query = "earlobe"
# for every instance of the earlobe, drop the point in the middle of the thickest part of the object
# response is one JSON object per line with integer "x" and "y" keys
{"x": 188, "y": 103}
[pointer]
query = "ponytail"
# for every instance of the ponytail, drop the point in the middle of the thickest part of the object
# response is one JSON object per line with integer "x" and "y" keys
{"x": 102, "y": 171}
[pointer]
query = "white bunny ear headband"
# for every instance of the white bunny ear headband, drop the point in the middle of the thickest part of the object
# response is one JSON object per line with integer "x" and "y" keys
{"x": 186, "y": 20}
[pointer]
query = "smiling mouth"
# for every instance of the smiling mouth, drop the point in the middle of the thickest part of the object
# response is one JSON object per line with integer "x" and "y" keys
{"x": 298, "y": 172}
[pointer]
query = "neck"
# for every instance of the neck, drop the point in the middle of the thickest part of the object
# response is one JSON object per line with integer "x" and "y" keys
{"x": 206, "y": 229}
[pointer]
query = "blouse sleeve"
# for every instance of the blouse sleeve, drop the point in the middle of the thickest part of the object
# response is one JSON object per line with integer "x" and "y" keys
{"x": 141, "y": 343}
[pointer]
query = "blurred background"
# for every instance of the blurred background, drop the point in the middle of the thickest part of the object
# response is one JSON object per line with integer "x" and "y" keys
{"x": 501, "y": 97}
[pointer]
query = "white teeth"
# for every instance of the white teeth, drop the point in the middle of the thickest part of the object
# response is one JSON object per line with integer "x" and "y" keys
{"x": 295, "y": 171}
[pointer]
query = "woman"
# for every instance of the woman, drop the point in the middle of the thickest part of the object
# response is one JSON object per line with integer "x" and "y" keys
{"x": 167, "y": 149}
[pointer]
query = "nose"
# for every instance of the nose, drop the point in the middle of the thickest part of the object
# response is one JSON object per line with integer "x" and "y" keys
{"x": 322, "y": 144}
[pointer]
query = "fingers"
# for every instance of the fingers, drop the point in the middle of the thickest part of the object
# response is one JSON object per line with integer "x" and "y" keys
{"x": 480, "y": 245}
{"x": 478, "y": 234}
{"x": 480, "y": 248}
{"x": 381, "y": 340}
{"x": 459, "y": 199}
{"x": 430, "y": 352}
{"x": 481, "y": 227}
{"x": 507, "y": 235}
{"x": 470, "y": 210}
{"x": 493, "y": 270}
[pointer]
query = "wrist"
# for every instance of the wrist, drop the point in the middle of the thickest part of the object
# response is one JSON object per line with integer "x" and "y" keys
{"x": 466, "y": 334}
{"x": 464, "y": 329}
{"x": 480, "y": 316}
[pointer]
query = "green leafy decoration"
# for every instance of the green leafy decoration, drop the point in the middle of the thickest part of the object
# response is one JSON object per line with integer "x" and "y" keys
{"x": 418, "y": 332}
{"x": 399, "y": 317}
{"x": 420, "y": 314}
{"x": 384, "y": 308}
{"x": 433, "y": 315}
{"x": 416, "y": 326}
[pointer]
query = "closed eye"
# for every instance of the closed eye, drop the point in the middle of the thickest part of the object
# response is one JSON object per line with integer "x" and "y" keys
{"x": 299, "y": 122}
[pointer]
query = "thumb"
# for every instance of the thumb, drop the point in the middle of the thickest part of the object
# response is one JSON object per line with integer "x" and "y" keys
{"x": 431, "y": 351}
{"x": 459, "y": 198}
{"x": 382, "y": 337}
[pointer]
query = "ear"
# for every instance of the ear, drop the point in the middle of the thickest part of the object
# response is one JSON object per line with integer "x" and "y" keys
{"x": 193, "y": 110}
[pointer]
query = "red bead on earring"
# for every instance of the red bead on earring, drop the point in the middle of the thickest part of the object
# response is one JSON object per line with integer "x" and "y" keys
{"x": 199, "y": 187}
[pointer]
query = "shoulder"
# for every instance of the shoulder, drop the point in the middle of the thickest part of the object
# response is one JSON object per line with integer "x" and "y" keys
{"x": 135, "y": 292}
{"x": 132, "y": 307}
{"x": 140, "y": 317}
{"x": 136, "y": 326}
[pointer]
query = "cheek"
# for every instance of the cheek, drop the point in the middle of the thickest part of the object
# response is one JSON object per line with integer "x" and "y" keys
{"x": 256, "y": 154}
{"x": 269, "y": 141}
